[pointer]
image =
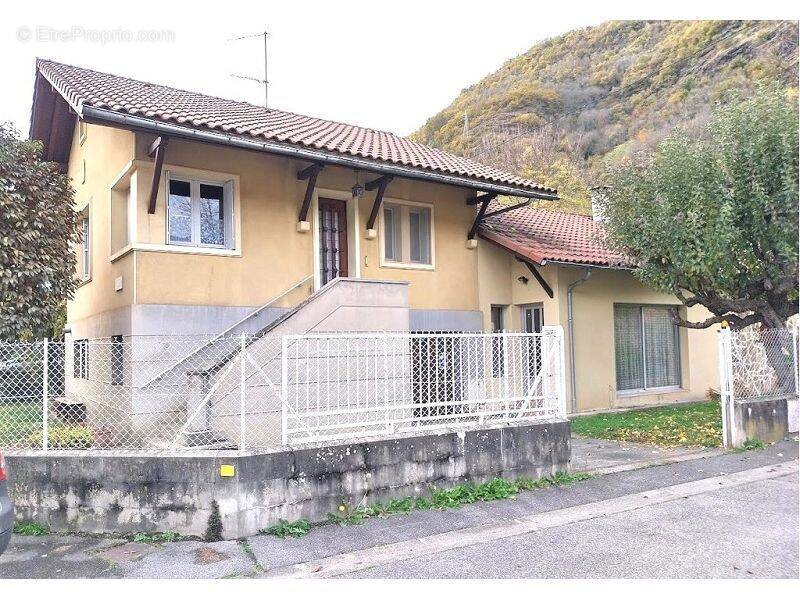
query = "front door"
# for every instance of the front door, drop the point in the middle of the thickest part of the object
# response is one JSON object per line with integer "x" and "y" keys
{"x": 332, "y": 239}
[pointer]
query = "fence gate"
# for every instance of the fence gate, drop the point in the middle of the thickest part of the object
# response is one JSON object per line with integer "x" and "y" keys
{"x": 756, "y": 364}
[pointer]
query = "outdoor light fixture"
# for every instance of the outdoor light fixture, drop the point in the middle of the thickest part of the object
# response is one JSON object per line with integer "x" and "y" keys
{"x": 522, "y": 279}
{"x": 358, "y": 189}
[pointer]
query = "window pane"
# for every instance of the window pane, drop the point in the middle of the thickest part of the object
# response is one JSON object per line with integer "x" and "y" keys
{"x": 628, "y": 347}
{"x": 420, "y": 229}
{"x": 391, "y": 234}
{"x": 179, "y": 211}
{"x": 497, "y": 318}
{"x": 117, "y": 365}
{"x": 660, "y": 347}
{"x": 76, "y": 358}
{"x": 212, "y": 214}
{"x": 85, "y": 247}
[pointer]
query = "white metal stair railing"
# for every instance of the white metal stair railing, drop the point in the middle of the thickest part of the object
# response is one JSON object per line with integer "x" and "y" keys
{"x": 225, "y": 349}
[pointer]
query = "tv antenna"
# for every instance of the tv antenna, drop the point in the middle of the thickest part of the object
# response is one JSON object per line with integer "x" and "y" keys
{"x": 265, "y": 80}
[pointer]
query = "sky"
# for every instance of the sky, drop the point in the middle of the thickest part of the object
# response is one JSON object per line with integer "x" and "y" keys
{"x": 385, "y": 65}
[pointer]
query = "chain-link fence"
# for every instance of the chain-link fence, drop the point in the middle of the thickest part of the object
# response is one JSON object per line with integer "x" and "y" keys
{"x": 756, "y": 363}
{"x": 243, "y": 392}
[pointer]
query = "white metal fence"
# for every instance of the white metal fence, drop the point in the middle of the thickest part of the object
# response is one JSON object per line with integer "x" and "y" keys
{"x": 168, "y": 393}
{"x": 756, "y": 363}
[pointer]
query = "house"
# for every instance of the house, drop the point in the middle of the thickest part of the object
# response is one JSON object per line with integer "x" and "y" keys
{"x": 202, "y": 215}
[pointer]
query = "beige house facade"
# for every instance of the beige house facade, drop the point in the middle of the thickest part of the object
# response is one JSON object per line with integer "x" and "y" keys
{"x": 507, "y": 287}
{"x": 197, "y": 219}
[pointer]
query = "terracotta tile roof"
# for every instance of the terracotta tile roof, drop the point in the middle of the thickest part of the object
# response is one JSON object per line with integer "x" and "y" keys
{"x": 81, "y": 86}
{"x": 547, "y": 235}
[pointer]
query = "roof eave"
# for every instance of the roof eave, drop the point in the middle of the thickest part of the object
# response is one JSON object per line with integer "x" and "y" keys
{"x": 525, "y": 253}
{"x": 106, "y": 116}
{"x": 510, "y": 246}
{"x": 590, "y": 265}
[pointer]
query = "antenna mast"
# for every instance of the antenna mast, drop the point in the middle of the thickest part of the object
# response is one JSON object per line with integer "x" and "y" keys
{"x": 265, "y": 81}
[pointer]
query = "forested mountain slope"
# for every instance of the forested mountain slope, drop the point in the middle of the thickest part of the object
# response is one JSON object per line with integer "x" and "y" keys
{"x": 558, "y": 111}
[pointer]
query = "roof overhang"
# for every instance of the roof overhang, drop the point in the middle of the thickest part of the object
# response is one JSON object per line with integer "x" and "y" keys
{"x": 52, "y": 121}
{"x": 134, "y": 122}
{"x": 158, "y": 127}
{"x": 526, "y": 254}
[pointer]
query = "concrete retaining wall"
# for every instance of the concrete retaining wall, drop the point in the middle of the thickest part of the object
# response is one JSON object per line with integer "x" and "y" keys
{"x": 136, "y": 493}
{"x": 765, "y": 420}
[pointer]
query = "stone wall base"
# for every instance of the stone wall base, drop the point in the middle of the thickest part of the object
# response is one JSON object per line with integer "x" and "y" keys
{"x": 123, "y": 494}
{"x": 765, "y": 420}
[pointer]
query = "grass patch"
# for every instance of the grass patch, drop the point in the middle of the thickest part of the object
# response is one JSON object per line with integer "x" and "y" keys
{"x": 30, "y": 528}
{"x": 157, "y": 538}
{"x": 21, "y": 425}
{"x": 19, "y": 421}
{"x": 696, "y": 424}
{"x": 445, "y": 498}
{"x": 284, "y": 528}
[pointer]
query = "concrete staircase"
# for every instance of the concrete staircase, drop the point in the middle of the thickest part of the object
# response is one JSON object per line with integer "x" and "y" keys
{"x": 213, "y": 373}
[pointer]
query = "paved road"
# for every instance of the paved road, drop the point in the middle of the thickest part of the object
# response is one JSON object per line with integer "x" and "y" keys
{"x": 731, "y": 515}
{"x": 743, "y": 531}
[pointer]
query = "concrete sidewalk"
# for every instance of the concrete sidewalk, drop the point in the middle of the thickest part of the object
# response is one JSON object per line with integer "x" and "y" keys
{"x": 74, "y": 556}
{"x": 609, "y": 456}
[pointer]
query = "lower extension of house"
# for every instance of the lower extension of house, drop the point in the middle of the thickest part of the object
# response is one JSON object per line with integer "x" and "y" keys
{"x": 202, "y": 216}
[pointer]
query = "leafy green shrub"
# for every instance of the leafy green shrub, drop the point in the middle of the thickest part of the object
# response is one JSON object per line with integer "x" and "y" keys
{"x": 64, "y": 437}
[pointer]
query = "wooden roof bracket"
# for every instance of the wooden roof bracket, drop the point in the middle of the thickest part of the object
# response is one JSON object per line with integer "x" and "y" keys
{"x": 506, "y": 209}
{"x": 380, "y": 184}
{"x": 483, "y": 215}
{"x": 158, "y": 149}
{"x": 537, "y": 276}
{"x": 310, "y": 173}
{"x": 484, "y": 202}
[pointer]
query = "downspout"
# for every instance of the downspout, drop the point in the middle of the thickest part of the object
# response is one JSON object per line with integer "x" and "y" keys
{"x": 586, "y": 274}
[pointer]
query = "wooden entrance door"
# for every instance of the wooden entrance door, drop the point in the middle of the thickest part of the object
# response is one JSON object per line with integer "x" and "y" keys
{"x": 332, "y": 239}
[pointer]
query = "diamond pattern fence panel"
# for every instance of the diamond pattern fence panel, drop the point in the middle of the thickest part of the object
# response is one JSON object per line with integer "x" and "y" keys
{"x": 756, "y": 363}
{"x": 166, "y": 394}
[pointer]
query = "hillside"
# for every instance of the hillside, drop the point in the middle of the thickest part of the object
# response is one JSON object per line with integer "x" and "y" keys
{"x": 559, "y": 111}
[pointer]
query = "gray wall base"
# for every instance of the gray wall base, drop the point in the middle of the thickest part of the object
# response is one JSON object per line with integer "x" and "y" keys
{"x": 135, "y": 493}
{"x": 445, "y": 320}
{"x": 765, "y": 420}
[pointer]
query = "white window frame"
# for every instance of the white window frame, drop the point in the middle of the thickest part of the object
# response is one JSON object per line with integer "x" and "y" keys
{"x": 86, "y": 243}
{"x": 194, "y": 194}
{"x": 405, "y": 236}
{"x": 536, "y": 306}
{"x": 678, "y": 357}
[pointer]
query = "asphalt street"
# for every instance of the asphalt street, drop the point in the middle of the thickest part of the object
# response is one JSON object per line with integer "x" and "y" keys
{"x": 726, "y": 515}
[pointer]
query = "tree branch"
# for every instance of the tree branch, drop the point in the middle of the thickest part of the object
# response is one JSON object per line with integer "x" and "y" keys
{"x": 735, "y": 321}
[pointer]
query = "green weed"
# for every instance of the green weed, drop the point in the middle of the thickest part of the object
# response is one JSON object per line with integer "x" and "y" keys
{"x": 284, "y": 528}
{"x": 158, "y": 537}
{"x": 30, "y": 528}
